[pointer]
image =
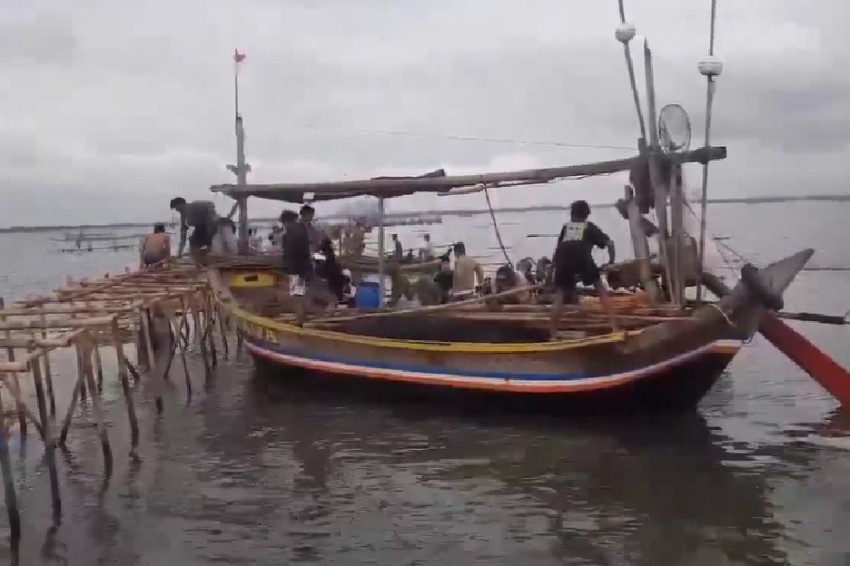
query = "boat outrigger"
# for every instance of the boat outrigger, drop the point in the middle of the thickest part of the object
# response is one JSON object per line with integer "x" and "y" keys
{"x": 671, "y": 349}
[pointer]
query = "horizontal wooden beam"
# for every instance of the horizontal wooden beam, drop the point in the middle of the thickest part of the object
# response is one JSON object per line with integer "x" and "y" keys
{"x": 72, "y": 310}
{"x": 389, "y": 187}
{"x": 62, "y": 341}
{"x": 55, "y": 324}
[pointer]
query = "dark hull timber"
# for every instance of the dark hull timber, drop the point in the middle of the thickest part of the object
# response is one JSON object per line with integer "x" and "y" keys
{"x": 674, "y": 386}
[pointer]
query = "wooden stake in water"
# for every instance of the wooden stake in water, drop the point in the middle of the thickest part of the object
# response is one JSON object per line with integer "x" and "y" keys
{"x": 88, "y": 375}
{"x": 48, "y": 377}
{"x": 49, "y": 441}
{"x": 125, "y": 386}
{"x": 11, "y": 495}
{"x": 72, "y": 407}
{"x": 222, "y": 329}
{"x": 10, "y": 352}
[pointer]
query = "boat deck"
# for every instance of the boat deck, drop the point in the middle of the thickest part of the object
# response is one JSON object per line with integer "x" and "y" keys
{"x": 467, "y": 323}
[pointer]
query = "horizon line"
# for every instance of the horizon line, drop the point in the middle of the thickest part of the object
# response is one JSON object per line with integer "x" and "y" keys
{"x": 447, "y": 212}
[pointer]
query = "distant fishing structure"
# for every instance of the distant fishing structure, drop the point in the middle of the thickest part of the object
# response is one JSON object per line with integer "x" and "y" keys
{"x": 88, "y": 242}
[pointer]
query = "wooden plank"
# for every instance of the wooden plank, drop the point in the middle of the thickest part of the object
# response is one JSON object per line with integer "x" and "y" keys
{"x": 64, "y": 323}
{"x": 62, "y": 341}
{"x": 391, "y": 187}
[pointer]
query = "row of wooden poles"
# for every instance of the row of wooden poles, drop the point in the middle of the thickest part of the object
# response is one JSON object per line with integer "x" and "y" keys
{"x": 154, "y": 310}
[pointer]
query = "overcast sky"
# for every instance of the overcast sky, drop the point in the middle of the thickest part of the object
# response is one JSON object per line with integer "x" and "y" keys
{"x": 110, "y": 109}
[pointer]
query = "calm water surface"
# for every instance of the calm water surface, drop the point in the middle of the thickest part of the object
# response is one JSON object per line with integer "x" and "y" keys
{"x": 253, "y": 471}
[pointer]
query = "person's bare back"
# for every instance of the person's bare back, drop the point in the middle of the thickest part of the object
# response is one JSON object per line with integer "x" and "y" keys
{"x": 156, "y": 246}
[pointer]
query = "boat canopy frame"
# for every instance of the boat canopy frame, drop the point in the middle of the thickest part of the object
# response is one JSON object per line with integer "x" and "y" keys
{"x": 438, "y": 182}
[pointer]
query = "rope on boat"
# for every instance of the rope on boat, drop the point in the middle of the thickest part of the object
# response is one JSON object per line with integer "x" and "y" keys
{"x": 496, "y": 226}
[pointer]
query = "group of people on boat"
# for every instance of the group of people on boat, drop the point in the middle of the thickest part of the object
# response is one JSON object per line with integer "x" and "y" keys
{"x": 307, "y": 251}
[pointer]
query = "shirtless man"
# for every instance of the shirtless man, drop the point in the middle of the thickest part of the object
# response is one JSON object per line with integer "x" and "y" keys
{"x": 467, "y": 273}
{"x": 155, "y": 248}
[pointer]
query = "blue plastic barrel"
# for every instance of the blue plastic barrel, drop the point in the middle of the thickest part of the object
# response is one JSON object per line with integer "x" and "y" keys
{"x": 368, "y": 295}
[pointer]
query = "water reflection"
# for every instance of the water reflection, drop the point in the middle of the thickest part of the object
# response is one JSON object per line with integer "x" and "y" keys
{"x": 256, "y": 472}
{"x": 656, "y": 491}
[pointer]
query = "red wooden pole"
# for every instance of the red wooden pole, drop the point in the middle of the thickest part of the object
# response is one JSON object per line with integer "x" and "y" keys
{"x": 822, "y": 368}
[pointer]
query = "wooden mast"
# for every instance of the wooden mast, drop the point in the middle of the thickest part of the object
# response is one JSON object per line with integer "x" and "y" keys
{"x": 624, "y": 34}
{"x": 241, "y": 181}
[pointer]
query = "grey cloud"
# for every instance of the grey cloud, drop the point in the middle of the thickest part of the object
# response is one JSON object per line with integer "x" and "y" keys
{"x": 137, "y": 104}
{"x": 39, "y": 40}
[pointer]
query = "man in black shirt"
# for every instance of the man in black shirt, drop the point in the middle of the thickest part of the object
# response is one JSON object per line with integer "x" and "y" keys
{"x": 573, "y": 260}
{"x": 297, "y": 260}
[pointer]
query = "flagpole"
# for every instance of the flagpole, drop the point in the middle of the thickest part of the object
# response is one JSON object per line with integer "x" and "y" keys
{"x": 236, "y": 91}
{"x": 241, "y": 168}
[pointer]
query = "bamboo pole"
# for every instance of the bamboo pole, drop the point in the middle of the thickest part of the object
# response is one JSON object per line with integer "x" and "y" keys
{"x": 98, "y": 364}
{"x": 209, "y": 328}
{"x": 69, "y": 413}
{"x": 49, "y": 441}
{"x": 641, "y": 248}
{"x": 11, "y": 495}
{"x": 184, "y": 324}
{"x": 222, "y": 330}
{"x": 138, "y": 341}
{"x": 88, "y": 375}
{"x": 144, "y": 316}
{"x": 58, "y": 324}
{"x": 396, "y": 187}
{"x": 10, "y": 353}
{"x": 125, "y": 387}
{"x": 659, "y": 186}
{"x": 25, "y": 411}
{"x": 48, "y": 374}
{"x": 80, "y": 375}
{"x": 199, "y": 336}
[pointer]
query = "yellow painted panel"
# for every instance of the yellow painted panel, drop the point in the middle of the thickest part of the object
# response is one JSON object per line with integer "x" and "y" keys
{"x": 250, "y": 280}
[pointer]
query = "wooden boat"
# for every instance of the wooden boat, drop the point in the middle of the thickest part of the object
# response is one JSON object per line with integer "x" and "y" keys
{"x": 665, "y": 365}
{"x": 665, "y": 360}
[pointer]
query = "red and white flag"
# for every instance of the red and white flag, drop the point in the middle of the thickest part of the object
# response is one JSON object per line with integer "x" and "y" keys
{"x": 237, "y": 59}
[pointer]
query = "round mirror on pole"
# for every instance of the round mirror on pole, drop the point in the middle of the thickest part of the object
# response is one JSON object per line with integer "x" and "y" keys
{"x": 674, "y": 129}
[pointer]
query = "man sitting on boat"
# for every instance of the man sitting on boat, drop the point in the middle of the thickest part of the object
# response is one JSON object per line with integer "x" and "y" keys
{"x": 467, "y": 275}
{"x": 156, "y": 247}
{"x": 201, "y": 216}
{"x": 573, "y": 260}
{"x": 508, "y": 278}
{"x": 327, "y": 268}
{"x": 314, "y": 234}
{"x": 297, "y": 259}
